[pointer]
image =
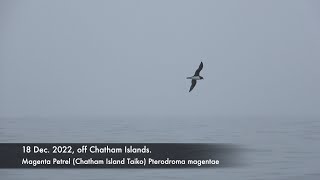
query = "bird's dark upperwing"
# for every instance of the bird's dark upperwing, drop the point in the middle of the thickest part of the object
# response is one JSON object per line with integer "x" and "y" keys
{"x": 193, "y": 84}
{"x": 197, "y": 73}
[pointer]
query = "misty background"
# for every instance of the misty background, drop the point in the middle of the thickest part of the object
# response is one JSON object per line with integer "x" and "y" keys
{"x": 115, "y": 71}
{"x": 111, "y": 58}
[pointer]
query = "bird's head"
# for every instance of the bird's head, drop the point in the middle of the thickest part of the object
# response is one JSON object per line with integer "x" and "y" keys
{"x": 201, "y": 77}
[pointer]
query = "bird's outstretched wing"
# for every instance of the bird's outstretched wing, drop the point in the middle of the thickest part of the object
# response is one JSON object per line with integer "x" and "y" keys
{"x": 193, "y": 84}
{"x": 197, "y": 73}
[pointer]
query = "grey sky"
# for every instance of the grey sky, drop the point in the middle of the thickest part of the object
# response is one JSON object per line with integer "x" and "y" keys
{"x": 101, "y": 58}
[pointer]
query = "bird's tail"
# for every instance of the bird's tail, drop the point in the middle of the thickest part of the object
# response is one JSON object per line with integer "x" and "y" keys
{"x": 189, "y": 78}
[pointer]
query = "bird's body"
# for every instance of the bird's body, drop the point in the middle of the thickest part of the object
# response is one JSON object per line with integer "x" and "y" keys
{"x": 196, "y": 77}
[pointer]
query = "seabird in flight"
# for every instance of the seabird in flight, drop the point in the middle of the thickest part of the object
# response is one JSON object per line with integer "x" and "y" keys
{"x": 196, "y": 77}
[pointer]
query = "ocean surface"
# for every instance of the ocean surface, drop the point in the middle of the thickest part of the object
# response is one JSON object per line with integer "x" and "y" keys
{"x": 280, "y": 148}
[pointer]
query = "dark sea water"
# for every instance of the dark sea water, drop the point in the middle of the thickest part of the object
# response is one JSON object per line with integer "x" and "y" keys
{"x": 281, "y": 148}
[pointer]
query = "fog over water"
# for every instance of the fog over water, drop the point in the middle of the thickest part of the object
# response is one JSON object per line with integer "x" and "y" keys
{"x": 115, "y": 71}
